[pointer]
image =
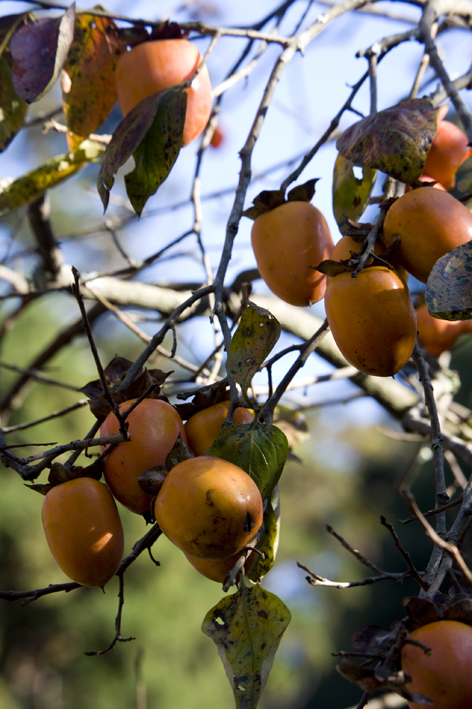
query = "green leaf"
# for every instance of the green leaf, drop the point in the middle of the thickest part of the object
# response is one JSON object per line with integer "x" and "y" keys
{"x": 39, "y": 50}
{"x": 29, "y": 187}
{"x": 88, "y": 85}
{"x": 396, "y": 140}
{"x": 257, "y": 333}
{"x": 12, "y": 108}
{"x": 259, "y": 449}
{"x": 269, "y": 540}
{"x": 247, "y": 628}
{"x": 350, "y": 194}
{"x": 152, "y": 132}
{"x": 449, "y": 286}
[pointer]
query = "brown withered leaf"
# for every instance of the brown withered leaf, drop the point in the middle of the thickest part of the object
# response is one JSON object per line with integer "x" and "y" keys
{"x": 151, "y": 481}
{"x": 379, "y": 679}
{"x": 333, "y": 268}
{"x": 100, "y": 407}
{"x": 370, "y": 639}
{"x": 396, "y": 140}
{"x": 203, "y": 398}
{"x": 179, "y": 452}
{"x": 421, "y": 612}
{"x": 460, "y": 611}
{"x": 303, "y": 193}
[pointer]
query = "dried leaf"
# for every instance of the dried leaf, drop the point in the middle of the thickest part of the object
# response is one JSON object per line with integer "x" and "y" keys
{"x": 350, "y": 194}
{"x": 162, "y": 116}
{"x": 333, "y": 268}
{"x": 257, "y": 333}
{"x": 247, "y": 628}
{"x": 29, "y": 187}
{"x": 303, "y": 193}
{"x": 370, "y": 639}
{"x": 396, "y": 140}
{"x": 421, "y": 612}
{"x": 89, "y": 91}
{"x": 449, "y": 286}
{"x": 266, "y": 201}
{"x": 39, "y": 50}
{"x": 259, "y": 449}
{"x": 179, "y": 452}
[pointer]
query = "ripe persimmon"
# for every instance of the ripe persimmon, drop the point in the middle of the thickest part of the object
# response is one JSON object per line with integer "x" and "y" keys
{"x": 437, "y": 335}
{"x": 218, "y": 569}
{"x": 342, "y": 252}
{"x": 430, "y": 223}
{"x": 83, "y": 530}
{"x": 449, "y": 149}
{"x": 444, "y": 676}
{"x": 203, "y": 427}
{"x": 154, "y": 427}
{"x": 156, "y": 65}
{"x": 208, "y": 507}
{"x": 372, "y": 319}
{"x": 288, "y": 242}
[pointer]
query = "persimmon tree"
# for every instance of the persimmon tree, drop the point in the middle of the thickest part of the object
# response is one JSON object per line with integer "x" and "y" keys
{"x": 381, "y": 153}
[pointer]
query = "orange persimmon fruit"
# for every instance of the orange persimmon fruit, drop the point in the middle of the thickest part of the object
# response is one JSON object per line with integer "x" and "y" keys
{"x": 444, "y": 676}
{"x": 437, "y": 335}
{"x": 430, "y": 223}
{"x": 372, "y": 319}
{"x": 288, "y": 242}
{"x": 208, "y": 507}
{"x": 218, "y": 569}
{"x": 156, "y": 65}
{"x": 154, "y": 427}
{"x": 203, "y": 427}
{"x": 449, "y": 149}
{"x": 83, "y": 530}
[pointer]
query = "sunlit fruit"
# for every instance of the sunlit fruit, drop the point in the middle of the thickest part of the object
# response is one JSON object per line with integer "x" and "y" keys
{"x": 203, "y": 427}
{"x": 437, "y": 335}
{"x": 218, "y": 569}
{"x": 288, "y": 242}
{"x": 444, "y": 676}
{"x": 153, "y": 66}
{"x": 208, "y": 507}
{"x": 449, "y": 149}
{"x": 154, "y": 427}
{"x": 83, "y": 530}
{"x": 430, "y": 223}
{"x": 372, "y": 319}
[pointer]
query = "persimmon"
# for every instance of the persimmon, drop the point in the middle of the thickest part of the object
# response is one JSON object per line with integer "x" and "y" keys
{"x": 154, "y": 427}
{"x": 342, "y": 251}
{"x": 203, "y": 427}
{"x": 372, "y": 319}
{"x": 437, "y": 335}
{"x": 153, "y": 66}
{"x": 427, "y": 178}
{"x": 449, "y": 149}
{"x": 83, "y": 530}
{"x": 444, "y": 676}
{"x": 346, "y": 244}
{"x": 430, "y": 223}
{"x": 208, "y": 507}
{"x": 288, "y": 242}
{"x": 218, "y": 569}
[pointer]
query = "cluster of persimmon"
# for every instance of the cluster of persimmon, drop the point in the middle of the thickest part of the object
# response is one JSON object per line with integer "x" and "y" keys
{"x": 209, "y": 508}
{"x": 371, "y": 315}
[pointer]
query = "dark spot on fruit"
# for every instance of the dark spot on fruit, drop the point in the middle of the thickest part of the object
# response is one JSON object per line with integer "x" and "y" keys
{"x": 209, "y": 501}
{"x": 248, "y": 523}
